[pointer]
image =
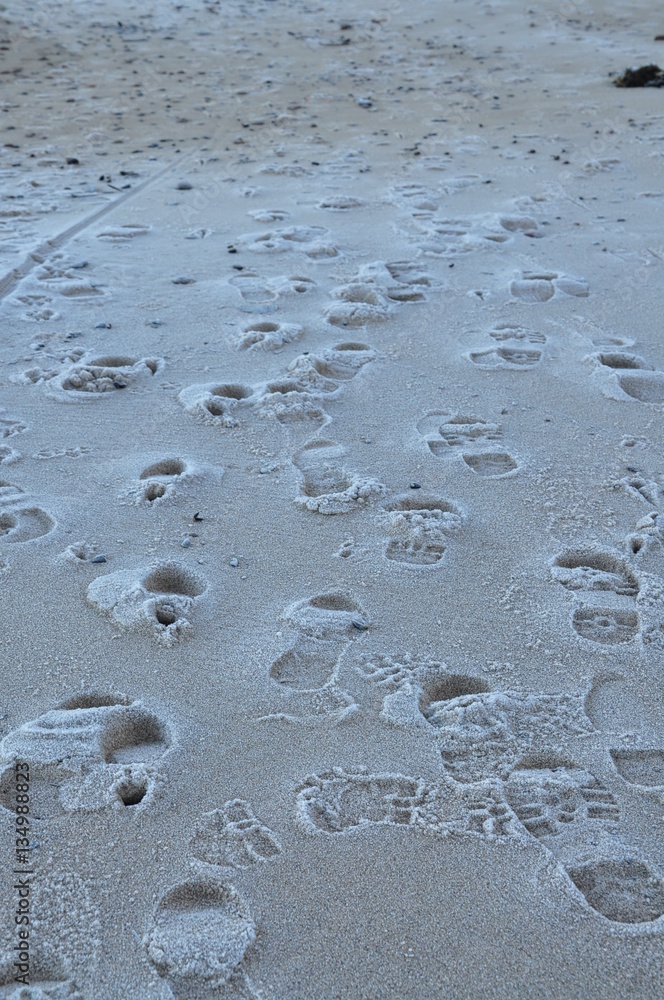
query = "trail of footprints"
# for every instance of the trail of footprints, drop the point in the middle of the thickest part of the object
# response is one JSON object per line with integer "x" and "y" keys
{"x": 503, "y": 774}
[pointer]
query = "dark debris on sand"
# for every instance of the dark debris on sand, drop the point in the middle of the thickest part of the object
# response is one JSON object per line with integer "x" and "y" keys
{"x": 642, "y": 76}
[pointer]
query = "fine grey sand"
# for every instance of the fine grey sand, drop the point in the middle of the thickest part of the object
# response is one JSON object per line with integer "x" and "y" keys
{"x": 331, "y": 566}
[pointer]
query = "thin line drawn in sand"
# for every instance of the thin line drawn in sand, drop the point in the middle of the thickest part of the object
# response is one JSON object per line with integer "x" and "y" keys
{"x": 307, "y": 674}
{"x": 157, "y": 599}
{"x": 201, "y": 931}
{"x": 419, "y": 528}
{"x": 233, "y": 837}
{"x": 93, "y": 752}
{"x": 476, "y": 441}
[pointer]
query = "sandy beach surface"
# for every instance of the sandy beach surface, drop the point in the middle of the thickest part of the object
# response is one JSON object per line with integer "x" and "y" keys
{"x": 331, "y": 565}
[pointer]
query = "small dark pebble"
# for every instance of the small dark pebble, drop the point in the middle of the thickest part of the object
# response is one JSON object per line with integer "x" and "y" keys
{"x": 232, "y": 249}
{"x": 183, "y": 280}
{"x": 119, "y": 384}
{"x": 361, "y": 624}
{"x": 198, "y": 516}
{"x": 632, "y": 468}
{"x": 79, "y": 265}
{"x": 184, "y": 186}
{"x": 72, "y": 161}
{"x": 98, "y": 559}
{"x": 415, "y": 486}
{"x": 103, "y": 326}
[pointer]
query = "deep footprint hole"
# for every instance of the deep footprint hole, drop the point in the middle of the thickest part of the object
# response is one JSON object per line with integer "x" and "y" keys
{"x": 173, "y": 579}
{"x": 167, "y": 467}
{"x": 154, "y": 491}
{"x": 131, "y": 793}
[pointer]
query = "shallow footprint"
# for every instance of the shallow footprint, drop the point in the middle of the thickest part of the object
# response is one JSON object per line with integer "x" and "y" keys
{"x": 607, "y": 626}
{"x": 328, "y": 488}
{"x": 233, "y": 837}
{"x": 514, "y": 358}
{"x": 23, "y": 524}
{"x": 626, "y": 891}
{"x": 567, "y": 808}
{"x": 595, "y": 570}
{"x": 640, "y": 767}
{"x": 490, "y": 464}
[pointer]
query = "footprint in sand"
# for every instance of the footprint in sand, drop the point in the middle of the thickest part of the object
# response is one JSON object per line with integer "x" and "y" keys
{"x": 640, "y": 767}
{"x": 232, "y": 837}
{"x": 368, "y": 296}
{"x": 90, "y": 377}
{"x": 217, "y": 402}
{"x": 307, "y": 673}
{"x": 634, "y": 376}
{"x": 158, "y": 599}
{"x": 532, "y": 287}
{"x": 254, "y": 291}
{"x": 341, "y": 203}
{"x": 92, "y": 752}
{"x": 512, "y": 358}
{"x": 419, "y": 527}
{"x": 24, "y": 523}
{"x": 122, "y": 233}
{"x": 267, "y": 336}
{"x": 573, "y": 815}
{"x": 167, "y": 478}
{"x": 416, "y": 199}
{"x": 481, "y": 734}
{"x": 327, "y": 486}
{"x": 475, "y": 440}
{"x": 608, "y": 589}
{"x": 518, "y": 334}
{"x": 339, "y": 802}
{"x": 309, "y": 240}
{"x": 200, "y": 933}
{"x": 157, "y": 481}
